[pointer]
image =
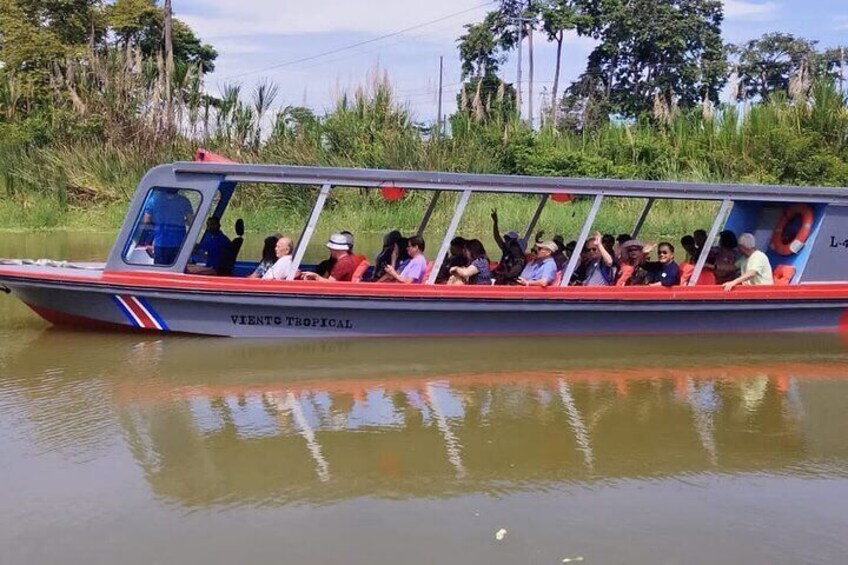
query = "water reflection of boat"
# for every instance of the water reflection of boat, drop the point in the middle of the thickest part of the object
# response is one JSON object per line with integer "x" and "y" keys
{"x": 254, "y": 434}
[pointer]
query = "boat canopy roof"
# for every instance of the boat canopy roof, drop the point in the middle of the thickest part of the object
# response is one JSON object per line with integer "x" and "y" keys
{"x": 441, "y": 181}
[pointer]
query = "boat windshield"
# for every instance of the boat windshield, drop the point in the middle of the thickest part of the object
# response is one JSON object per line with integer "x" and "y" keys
{"x": 161, "y": 227}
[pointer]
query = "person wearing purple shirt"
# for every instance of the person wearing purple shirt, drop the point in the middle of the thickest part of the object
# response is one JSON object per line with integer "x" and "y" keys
{"x": 414, "y": 270}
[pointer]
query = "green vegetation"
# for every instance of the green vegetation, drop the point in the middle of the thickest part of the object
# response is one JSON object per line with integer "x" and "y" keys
{"x": 76, "y": 135}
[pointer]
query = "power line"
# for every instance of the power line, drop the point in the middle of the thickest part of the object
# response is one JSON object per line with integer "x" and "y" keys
{"x": 359, "y": 43}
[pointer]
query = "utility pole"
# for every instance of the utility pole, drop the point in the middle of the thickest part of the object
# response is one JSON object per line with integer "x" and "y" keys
{"x": 520, "y": 25}
{"x": 530, "y": 82}
{"x": 169, "y": 57}
{"x": 441, "y": 71}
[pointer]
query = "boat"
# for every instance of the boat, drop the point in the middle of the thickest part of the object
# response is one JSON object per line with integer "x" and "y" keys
{"x": 807, "y": 227}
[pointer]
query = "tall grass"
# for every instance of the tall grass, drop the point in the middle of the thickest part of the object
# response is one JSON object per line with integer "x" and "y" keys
{"x": 76, "y": 164}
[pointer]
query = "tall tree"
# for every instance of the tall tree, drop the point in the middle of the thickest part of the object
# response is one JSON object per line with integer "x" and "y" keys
{"x": 558, "y": 17}
{"x": 666, "y": 52}
{"x": 766, "y": 65}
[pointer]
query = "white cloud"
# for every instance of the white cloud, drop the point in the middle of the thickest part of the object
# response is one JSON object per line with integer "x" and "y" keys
{"x": 251, "y": 18}
{"x": 744, "y": 10}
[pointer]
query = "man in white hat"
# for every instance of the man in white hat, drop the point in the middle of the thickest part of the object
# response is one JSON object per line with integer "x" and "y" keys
{"x": 343, "y": 263}
{"x": 542, "y": 270}
{"x": 756, "y": 269}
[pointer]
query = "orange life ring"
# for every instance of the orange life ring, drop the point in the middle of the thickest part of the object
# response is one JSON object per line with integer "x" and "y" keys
{"x": 779, "y": 242}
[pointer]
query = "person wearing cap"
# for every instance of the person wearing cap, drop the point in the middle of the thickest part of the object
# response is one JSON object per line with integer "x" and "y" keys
{"x": 343, "y": 263}
{"x": 415, "y": 269}
{"x": 756, "y": 269}
{"x": 599, "y": 269}
{"x": 542, "y": 270}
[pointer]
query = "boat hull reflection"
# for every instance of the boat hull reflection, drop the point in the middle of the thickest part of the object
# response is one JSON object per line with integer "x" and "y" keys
{"x": 318, "y": 422}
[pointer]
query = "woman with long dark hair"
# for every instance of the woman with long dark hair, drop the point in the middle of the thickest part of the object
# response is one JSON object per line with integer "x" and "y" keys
{"x": 387, "y": 255}
{"x": 269, "y": 257}
{"x": 477, "y": 271}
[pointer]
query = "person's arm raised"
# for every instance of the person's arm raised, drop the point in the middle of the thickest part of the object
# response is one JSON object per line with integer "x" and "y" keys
{"x": 496, "y": 230}
{"x": 605, "y": 256}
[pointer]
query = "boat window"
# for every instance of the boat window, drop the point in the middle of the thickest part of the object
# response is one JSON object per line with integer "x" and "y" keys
{"x": 161, "y": 227}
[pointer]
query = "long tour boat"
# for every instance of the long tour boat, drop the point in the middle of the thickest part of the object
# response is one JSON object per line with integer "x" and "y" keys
{"x": 144, "y": 284}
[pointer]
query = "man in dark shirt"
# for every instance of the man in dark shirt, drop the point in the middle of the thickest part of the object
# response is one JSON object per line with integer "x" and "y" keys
{"x": 213, "y": 244}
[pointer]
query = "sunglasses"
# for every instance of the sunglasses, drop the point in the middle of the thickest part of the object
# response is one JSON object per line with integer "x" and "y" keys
{"x": 591, "y": 249}
{"x": 663, "y": 252}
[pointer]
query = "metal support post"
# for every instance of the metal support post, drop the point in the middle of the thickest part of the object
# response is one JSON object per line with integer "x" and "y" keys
{"x": 429, "y": 212}
{"x": 543, "y": 199}
{"x": 443, "y": 250}
{"x": 638, "y": 227}
{"x": 303, "y": 242}
{"x": 581, "y": 241}
{"x": 723, "y": 210}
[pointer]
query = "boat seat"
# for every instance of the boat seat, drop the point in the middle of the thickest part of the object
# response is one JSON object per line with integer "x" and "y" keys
{"x": 363, "y": 266}
{"x": 228, "y": 261}
{"x": 783, "y": 275}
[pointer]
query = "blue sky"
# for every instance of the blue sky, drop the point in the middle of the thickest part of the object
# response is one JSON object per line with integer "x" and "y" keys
{"x": 253, "y": 35}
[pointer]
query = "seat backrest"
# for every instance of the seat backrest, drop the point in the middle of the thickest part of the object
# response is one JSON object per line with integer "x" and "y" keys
{"x": 360, "y": 271}
{"x": 230, "y": 255}
{"x": 783, "y": 274}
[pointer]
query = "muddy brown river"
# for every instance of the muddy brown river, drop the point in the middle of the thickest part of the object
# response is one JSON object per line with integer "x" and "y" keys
{"x": 138, "y": 448}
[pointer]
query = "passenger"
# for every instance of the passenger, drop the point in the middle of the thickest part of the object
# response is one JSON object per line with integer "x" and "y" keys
{"x": 503, "y": 241}
{"x": 687, "y": 242}
{"x": 756, "y": 269}
{"x": 560, "y": 257}
{"x": 664, "y": 271}
{"x": 386, "y": 256}
{"x": 542, "y": 270}
{"x": 599, "y": 266}
{"x": 282, "y": 266}
{"x": 456, "y": 257}
{"x": 700, "y": 237}
{"x": 269, "y": 257}
{"x": 213, "y": 244}
{"x": 403, "y": 253}
{"x": 608, "y": 241}
{"x": 722, "y": 259}
{"x": 415, "y": 269}
{"x": 477, "y": 271}
{"x": 620, "y": 240}
{"x": 349, "y": 238}
{"x": 511, "y": 265}
{"x": 632, "y": 272}
{"x": 342, "y": 264}
{"x": 169, "y": 212}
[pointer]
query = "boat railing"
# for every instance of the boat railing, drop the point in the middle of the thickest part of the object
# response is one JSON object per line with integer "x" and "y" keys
{"x": 466, "y": 184}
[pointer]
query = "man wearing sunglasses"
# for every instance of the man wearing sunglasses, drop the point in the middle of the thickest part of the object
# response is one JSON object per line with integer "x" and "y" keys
{"x": 599, "y": 268}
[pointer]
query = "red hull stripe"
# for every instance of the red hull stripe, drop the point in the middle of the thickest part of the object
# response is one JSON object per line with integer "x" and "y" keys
{"x": 196, "y": 283}
{"x": 137, "y": 313}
